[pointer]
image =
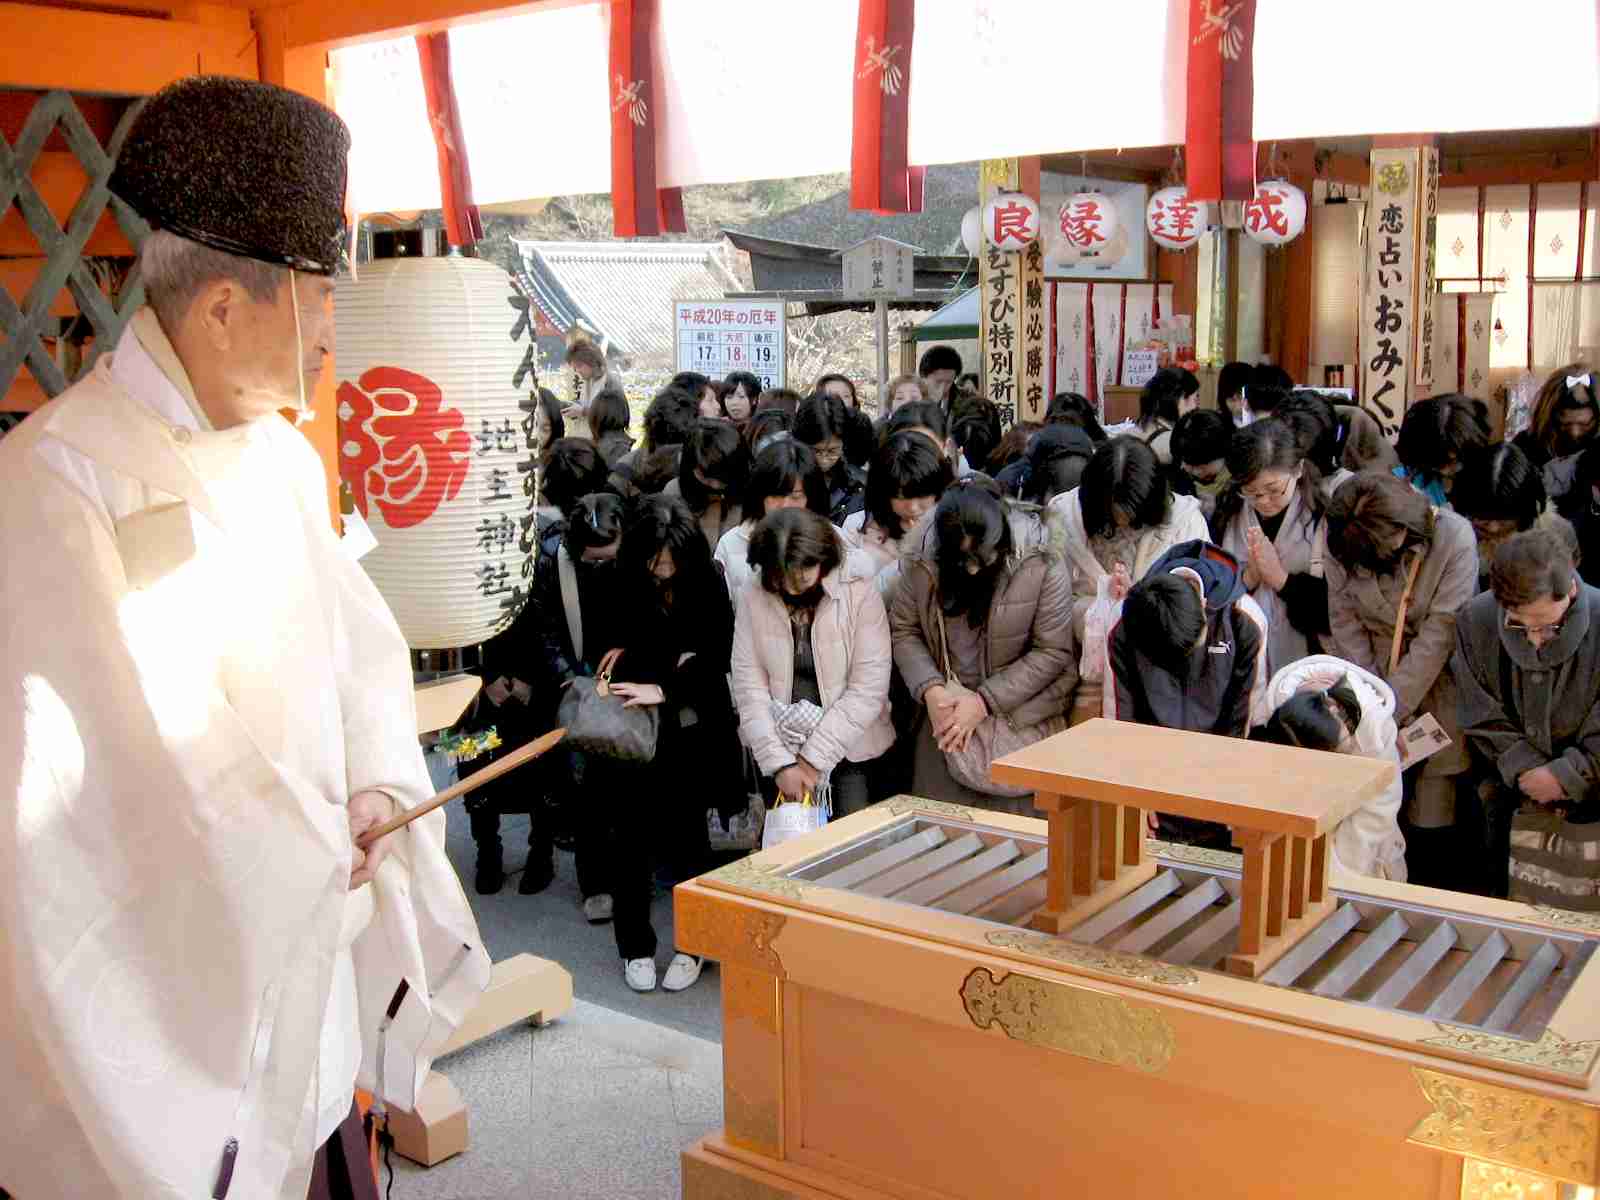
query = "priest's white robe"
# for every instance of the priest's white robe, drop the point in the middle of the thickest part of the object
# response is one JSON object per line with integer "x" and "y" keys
{"x": 196, "y": 678}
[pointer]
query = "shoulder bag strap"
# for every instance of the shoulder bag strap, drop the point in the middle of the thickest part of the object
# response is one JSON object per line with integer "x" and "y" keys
{"x": 1400, "y": 614}
{"x": 568, "y": 578}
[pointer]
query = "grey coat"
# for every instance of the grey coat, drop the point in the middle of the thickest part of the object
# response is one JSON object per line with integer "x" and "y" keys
{"x": 1029, "y": 662}
{"x": 1361, "y": 613}
{"x": 1523, "y": 708}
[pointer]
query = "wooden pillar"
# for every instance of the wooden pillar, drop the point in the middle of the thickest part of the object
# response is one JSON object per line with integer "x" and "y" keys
{"x": 1288, "y": 273}
{"x": 1012, "y": 315}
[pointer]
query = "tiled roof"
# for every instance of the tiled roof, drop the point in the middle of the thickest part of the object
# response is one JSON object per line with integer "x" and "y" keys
{"x": 624, "y": 290}
{"x": 948, "y": 192}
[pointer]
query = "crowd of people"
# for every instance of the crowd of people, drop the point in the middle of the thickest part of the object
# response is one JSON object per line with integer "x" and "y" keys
{"x": 826, "y": 604}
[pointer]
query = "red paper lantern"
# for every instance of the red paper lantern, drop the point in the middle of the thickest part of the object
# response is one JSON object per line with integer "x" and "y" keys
{"x": 1175, "y": 221}
{"x": 1275, "y": 214}
{"x": 1011, "y": 222}
{"x": 1089, "y": 221}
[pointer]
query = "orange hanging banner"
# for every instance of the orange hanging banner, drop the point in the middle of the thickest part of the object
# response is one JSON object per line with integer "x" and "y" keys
{"x": 639, "y": 207}
{"x": 462, "y": 222}
{"x": 881, "y": 179}
{"x": 1220, "y": 152}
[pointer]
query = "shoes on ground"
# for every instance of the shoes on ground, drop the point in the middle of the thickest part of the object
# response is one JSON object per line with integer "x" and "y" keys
{"x": 682, "y": 971}
{"x": 641, "y": 973}
{"x": 490, "y": 874}
{"x": 597, "y": 909}
{"x": 536, "y": 876}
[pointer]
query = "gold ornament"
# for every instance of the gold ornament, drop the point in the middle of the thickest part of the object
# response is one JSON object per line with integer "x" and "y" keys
{"x": 1112, "y": 962}
{"x": 1092, "y": 1025}
{"x": 1515, "y": 1129}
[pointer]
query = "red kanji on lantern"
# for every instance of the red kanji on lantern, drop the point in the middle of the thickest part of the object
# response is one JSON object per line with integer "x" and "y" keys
{"x": 1011, "y": 222}
{"x": 400, "y": 442}
{"x": 1263, "y": 212}
{"x": 1175, "y": 219}
{"x": 1082, "y": 221}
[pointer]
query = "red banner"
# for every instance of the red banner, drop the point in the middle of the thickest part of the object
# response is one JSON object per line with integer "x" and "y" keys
{"x": 462, "y": 223}
{"x": 880, "y": 177}
{"x": 639, "y": 208}
{"x": 1220, "y": 151}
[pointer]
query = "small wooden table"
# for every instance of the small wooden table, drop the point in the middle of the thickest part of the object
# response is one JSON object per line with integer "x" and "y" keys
{"x": 1095, "y": 781}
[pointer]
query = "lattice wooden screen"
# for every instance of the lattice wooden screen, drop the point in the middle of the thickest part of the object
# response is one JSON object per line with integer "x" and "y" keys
{"x": 107, "y": 292}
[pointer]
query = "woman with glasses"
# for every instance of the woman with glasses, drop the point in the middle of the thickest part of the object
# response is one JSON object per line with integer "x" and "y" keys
{"x": 1398, "y": 573}
{"x": 823, "y": 423}
{"x": 1270, "y": 518}
{"x": 1325, "y": 703}
{"x": 982, "y": 627}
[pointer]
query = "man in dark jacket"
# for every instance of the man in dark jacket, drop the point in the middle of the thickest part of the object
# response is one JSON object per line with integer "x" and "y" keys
{"x": 1527, "y": 666}
{"x": 1189, "y": 653}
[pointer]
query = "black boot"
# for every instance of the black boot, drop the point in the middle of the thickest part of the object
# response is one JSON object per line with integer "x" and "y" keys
{"x": 491, "y": 872}
{"x": 541, "y": 867}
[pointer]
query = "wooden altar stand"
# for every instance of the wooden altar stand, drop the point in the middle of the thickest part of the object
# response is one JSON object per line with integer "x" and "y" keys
{"x": 1095, "y": 782}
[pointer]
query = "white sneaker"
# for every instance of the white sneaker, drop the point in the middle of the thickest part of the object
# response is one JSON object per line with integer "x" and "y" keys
{"x": 597, "y": 909}
{"x": 682, "y": 971}
{"x": 641, "y": 974}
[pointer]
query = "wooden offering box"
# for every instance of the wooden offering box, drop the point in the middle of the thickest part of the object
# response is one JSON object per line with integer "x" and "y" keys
{"x": 896, "y": 1025}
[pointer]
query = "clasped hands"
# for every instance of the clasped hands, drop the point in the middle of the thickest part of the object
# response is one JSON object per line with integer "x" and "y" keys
{"x": 955, "y": 714}
{"x": 797, "y": 781}
{"x": 1264, "y": 565}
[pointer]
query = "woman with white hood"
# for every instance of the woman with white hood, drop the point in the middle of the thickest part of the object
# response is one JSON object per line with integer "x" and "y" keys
{"x": 1325, "y": 703}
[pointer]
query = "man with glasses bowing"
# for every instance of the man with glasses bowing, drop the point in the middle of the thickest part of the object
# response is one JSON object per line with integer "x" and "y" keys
{"x": 1527, "y": 664}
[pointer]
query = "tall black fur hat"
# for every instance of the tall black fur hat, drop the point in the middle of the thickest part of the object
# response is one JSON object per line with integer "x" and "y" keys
{"x": 243, "y": 167}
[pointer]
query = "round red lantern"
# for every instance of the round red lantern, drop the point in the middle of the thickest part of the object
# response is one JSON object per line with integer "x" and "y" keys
{"x": 1175, "y": 222}
{"x": 1011, "y": 221}
{"x": 1089, "y": 221}
{"x": 1276, "y": 213}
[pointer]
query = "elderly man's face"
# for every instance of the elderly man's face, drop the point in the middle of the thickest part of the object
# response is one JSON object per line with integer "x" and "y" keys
{"x": 264, "y": 361}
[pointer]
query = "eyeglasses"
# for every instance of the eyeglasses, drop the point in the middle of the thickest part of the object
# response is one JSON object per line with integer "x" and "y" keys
{"x": 827, "y": 457}
{"x": 1515, "y": 626}
{"x": 1269, "y": 494}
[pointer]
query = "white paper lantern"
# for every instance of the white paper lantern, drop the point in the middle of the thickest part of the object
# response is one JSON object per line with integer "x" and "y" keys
{"x": 971, "y": 234}
{"x": 1089, "y": 221}
{"x": 434, "y": 444}
{"x": 1011, "y": 221}
{"x": 1112, "y": 253}
{"x": 1275, "y": 214}
{"x": 1175, "y": 221}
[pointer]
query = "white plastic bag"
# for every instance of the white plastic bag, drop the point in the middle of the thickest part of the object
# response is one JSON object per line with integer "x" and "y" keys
{"x": 1098, "y": 622}
{"x": 791, "y": 820}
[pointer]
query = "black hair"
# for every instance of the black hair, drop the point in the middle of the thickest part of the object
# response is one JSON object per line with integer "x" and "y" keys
{"x": 1231, "y": 380}
{"x": 1585, "y": 478}
{"x": 1270, "y": 375}
{"x": 692, "y": 382}
{"x": 1500, "y": 484}
{"x": 786, "y": 399}
{"x": 1158, "y": 401}
{"x": 823, "y": 381}
{"x": 1013, "y": 447}
{"x": 714, "y": 449}
{"x": 1071, "y": 408}
{"x": 1263, "y": 399}
{"x": 1057, "y": 457}
{"x": 763, "y": 423}
{"x": 594, "y": 521}
{"x": 648, "y": 473}
{"x": 1123, "y": 474}
{"x": 572, "y": 468}
{"x": 1201, "y": 436}
{"x": 928, "y": 414}
{"x": 1316, "y": 427}
{"x": 670, "y": 417}
{"x": 821, "y": 417}
{"x": 1266, "y": 445}
{"x": 1440, "y": 428}
{"x": 1554, "y": 398}
{"x": 1530, "y": 566}
{"x": 1191, "y": 381}
{"x": 976, "y": 429}
{"x": 657, "y": 523}
{"x": 792, "y": 539}
{"x": 938, "y": 358}
{"x": 775, "y": 471}
{"x": 971, "y": 512}
{"x": 549, "y": 404}
{"x": 609, "y": 412}
{"x": 745, "y": 379}
{"x": 907, "y": 466}
{"x": 1315, "y": 720}
{"x": 860, "y": 438}
{"x": 1165, "y": 618}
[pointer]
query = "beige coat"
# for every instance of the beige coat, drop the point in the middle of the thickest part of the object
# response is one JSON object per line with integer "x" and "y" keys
{"x": 1361, "y": 613}
{"x": 197, "y": 677}
{"x": 850, "y": 646}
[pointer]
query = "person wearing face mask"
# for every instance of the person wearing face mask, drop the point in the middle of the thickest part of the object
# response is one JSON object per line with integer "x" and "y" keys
{"x": 782, "y": 475}
{"x": 1200, "y": 443}
{"x": 208, "y": 707}
{"x": 1527, "y": 661}
{"x": 1437, "y": 437}
{"x": 1501, "y": 493}
{"x": 676, "y": 639}
{"x": 983, "y": 601}
{"x": 1325, "y": 703}
{"x": 811, "y": 666}
{"x": 1399, "y": 572}
{"x": 1563, "y": 423}
{"x": 1271, "y": 519}
{"x": 710, "y": 474}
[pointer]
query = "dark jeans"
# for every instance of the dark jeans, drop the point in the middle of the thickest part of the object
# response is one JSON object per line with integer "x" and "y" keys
{"x": 657, "y": 825}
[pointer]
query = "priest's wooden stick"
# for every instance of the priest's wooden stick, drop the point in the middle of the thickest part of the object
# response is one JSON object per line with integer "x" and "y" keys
{"x": 510, "y": 762}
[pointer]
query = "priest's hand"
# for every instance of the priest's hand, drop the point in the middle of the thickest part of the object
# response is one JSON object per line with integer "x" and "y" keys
{"x": 367, "y": 810}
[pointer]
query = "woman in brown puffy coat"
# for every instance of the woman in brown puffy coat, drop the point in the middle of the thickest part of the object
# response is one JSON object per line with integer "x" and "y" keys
{"x": 1005, "y": 597}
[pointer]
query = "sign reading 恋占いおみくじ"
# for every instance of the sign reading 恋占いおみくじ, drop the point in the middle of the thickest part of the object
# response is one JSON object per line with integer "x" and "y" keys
{"x": 716, "y": 337}
{"x": 1389, "y": 288}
